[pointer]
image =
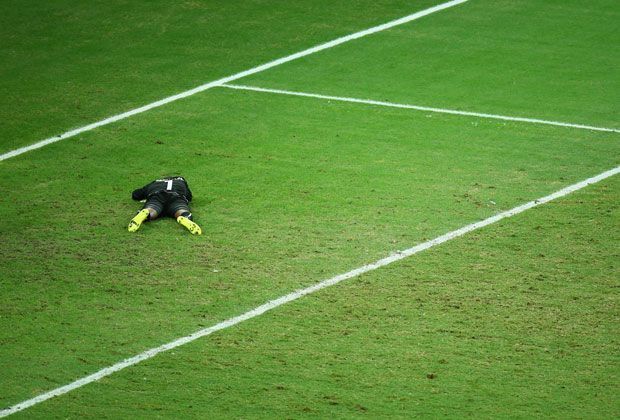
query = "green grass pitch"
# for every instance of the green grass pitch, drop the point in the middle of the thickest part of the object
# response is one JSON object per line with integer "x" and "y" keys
{"x": 518, "y": 319}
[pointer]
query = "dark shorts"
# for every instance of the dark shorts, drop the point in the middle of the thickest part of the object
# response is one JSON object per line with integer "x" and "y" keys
{"x": 166, "y": 204}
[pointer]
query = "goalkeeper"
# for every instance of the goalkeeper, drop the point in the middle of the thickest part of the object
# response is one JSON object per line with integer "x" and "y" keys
{"x": 168, "y": 196}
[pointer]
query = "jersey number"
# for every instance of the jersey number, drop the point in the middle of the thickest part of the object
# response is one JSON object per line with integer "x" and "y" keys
{"x": 169, "y": 185}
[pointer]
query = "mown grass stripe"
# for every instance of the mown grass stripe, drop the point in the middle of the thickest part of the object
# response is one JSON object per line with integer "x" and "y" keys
{"x": 301, "y": 293}
{"x": 219, "y": 82}
{"x": 419, "y": 108}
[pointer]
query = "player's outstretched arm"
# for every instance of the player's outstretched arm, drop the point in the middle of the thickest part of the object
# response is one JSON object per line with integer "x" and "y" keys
{"x": 139, "y": 194}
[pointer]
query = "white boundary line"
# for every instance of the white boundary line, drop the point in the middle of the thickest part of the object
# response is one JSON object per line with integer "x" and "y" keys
{"x": 419, "y": 108}
{"x": 301, "y": 293}
{"x": 245, "y": 73}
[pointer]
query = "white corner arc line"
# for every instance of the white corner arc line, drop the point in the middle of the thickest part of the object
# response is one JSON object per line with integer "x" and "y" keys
{"x": 301, "y": 293}
{"x": 219, "y": 82}
{"x": 418, "y": 107}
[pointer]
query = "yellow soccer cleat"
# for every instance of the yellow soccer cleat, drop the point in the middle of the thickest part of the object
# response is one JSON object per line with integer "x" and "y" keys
{"x": 191, "y": 226}
{"x": 138, "y": 219}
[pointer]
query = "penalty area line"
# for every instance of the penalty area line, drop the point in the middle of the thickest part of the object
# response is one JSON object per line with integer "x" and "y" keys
{"x": 219, "y": 82}
{"x": 419, "y": 108}
{"x": 301, "y": 293}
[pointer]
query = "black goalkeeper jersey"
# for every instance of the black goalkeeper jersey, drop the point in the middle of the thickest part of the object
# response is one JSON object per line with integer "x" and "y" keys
{"x": 176, "y": 185}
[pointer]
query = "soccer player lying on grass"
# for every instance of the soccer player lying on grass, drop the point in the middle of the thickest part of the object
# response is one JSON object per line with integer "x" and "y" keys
{"x": 169, "y": 196}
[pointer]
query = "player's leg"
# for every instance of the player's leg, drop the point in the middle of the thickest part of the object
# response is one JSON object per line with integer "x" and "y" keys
{"x": 180, "y": 211}
{"x": 152, "y": 209}
{"x": 143, "y": 215}
{"x": 184, "y": 220}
